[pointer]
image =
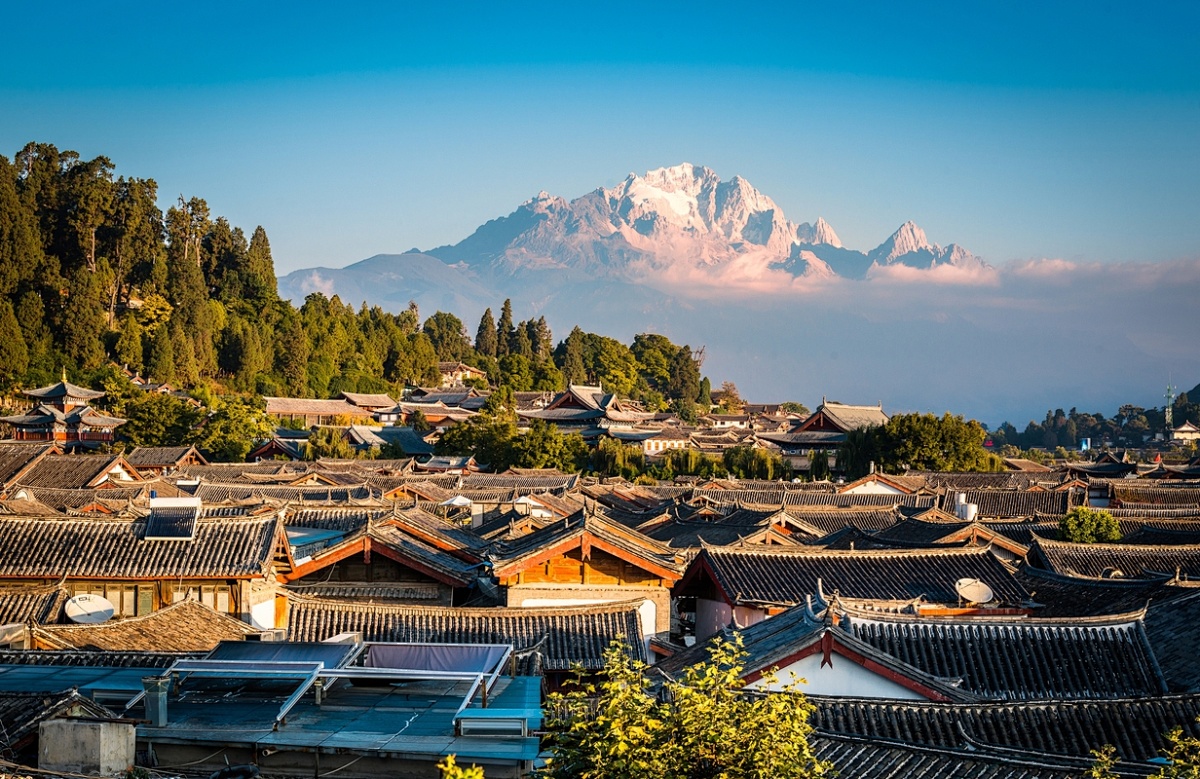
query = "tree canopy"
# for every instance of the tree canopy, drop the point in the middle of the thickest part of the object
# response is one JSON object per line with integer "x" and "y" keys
{"x": 1084, "y": 525}
{"x": 704, "y": 725}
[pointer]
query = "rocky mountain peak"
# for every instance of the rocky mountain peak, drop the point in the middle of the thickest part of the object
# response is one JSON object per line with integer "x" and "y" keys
{"x": 819, "y": 233}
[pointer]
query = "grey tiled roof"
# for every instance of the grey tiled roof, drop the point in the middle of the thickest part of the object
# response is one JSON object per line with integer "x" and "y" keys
{"x": 1173, "y": 627}
{"x": 787, "y": 577}
{"x": 31, "y": 604}
{"x": 21, "y": 713}
{"x": 1023, "y": 660}
{"x": 114, "y": 548}
{"x": 1136, "y": 727}
{"x": 1013, "y": 504}
{"x": 565, "y": 636}
{"x": 186, "y": 626}
{"x": 869, "y": 758}
{"x": 1070, "y": 596}
{"x": 1125, "y": 560}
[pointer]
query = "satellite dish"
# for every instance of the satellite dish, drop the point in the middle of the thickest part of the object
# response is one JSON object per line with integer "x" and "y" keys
{"x": 89, "y": 609}
{"x": 974, "y": 591}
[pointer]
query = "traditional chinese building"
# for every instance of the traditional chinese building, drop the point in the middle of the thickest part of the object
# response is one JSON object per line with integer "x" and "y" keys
{"x": 62, "y": 414}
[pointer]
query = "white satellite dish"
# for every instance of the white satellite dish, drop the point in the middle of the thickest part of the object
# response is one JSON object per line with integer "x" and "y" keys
{"x": 89, "y": 609}
{"x": 974, "y": 591}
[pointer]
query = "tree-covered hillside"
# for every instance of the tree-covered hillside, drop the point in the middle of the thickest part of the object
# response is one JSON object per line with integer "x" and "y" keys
{"x": 92, "y": 272}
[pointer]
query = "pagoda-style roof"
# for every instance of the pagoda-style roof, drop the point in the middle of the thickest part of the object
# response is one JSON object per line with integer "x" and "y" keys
{"x": 44, "y": 416}
{"x": 63, "y": 390}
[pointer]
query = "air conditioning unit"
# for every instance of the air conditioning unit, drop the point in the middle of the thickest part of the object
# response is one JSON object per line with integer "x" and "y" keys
{"x": 277, "y": 634}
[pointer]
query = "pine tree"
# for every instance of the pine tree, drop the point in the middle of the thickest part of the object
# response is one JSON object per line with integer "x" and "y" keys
{"x": 684, "y": 380}
{"x": 161, "y": 366}
{"x": 572, "y": 367}
{"x": 129, "y": 344}
{"x": 291, "y": 355}
{"x": 187, "y": 372}
{"x": 485, "y": 336}
{"x": 260, "y": 269}
{"x": 20, "y": 249}
{"x": 505, "y": 330}
{"x": 14, "y": 357}
{"x": 521, "y": 344}
{"x": 83, "y": 321}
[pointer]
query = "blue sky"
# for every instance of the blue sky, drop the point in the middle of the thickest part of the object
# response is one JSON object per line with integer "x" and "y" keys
{"x": 1060, "y": 131}
{"x": 1017, "y": 130}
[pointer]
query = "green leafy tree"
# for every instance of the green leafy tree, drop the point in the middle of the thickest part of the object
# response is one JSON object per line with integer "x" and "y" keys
{"x": 704, "y": 725}
{"x": 570, "y": 354}
{"x": 792, "y": 407}
{"x": 546, "y": 377}
{"x": 419, "y": 423}
{"x": 704, "y": 398}
{"x": 928, "y": 442}
{"x": 291, "y": 354}
{"x": 20, "y": 246}
{"x": 1183, "y": 757}
{"x": 187, "y": 371}
{"x": 328, "y": 442}
{"x": 31, "y": 316}
{"x": 1105, "y": 763}
{"x": 14, "y": 356}
{"x": 689, "y": 462}
{"x": 654, "y": 354}
{"x": 258, "y": 274}
{"x": 233, "y": 428}
{"x": 1084, "y": 525}
{"x": 731, "y": 399}
{"x": 544, "y": 446}
{"x": 684, "y": 382}
{"x": 858, "y": 451}
{"x": 129, "y": 344}
{"x": 613, "y": 458}
{"x": 134, "y": 241}
{"x": 161, "y": 366}
{"x": 685, "y": 410}
{"x": 750, "y": 462}
{"x": 818, "y": 469}
{"x": 521, "y": 345}
{"x": 489, "y": 435}
{"x": 516, "y": 372}
{"x": 83, "y": 323}
{"x": 154, "y": 419}
{"x": 448, "y": 336}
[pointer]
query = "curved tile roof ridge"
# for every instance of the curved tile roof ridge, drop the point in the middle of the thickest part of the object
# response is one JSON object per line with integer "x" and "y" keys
{"x": 816, "y": 551}
{"x": 867, "y": 615}
{"x": 355, "y": 605}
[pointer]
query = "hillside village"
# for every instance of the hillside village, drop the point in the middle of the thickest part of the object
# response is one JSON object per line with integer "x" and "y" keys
{"x": 372, "y": 614}
{"x": 242, "y": 536}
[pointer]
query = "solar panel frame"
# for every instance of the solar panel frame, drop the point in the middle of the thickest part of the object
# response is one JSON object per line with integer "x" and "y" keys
{"x": 171, "y": 523}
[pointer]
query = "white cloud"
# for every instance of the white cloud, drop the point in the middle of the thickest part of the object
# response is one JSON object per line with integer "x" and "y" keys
{"x": 315, "y": 282}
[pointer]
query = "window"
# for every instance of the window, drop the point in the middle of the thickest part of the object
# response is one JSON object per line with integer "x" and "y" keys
{"x": 215, "y": 596}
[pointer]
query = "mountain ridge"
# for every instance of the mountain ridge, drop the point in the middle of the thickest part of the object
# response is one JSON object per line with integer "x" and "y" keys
{"x": 667, "y": 229}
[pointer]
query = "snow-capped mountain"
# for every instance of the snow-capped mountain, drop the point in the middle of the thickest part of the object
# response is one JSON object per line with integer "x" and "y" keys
{"x": 819, "y": 233}
{"x": 646, "y": 224}
{"x": 682, "y": 218}
{"x": 681, "y": 229}
{"x": 909, "y": 246}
